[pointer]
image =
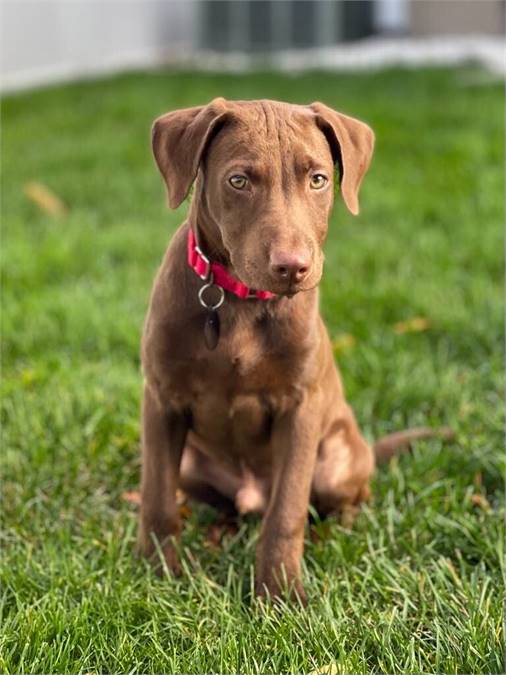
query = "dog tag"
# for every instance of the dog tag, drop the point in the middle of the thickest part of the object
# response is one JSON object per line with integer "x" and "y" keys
{"x": 212, "y": 329}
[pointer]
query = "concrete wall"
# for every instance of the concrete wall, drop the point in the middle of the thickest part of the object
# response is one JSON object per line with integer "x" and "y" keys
{"x": 45, "y": 41}
{"x": 456, "y": 17}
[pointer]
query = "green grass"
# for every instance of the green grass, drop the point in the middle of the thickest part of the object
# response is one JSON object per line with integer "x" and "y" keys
{"x": 416, "y": 586}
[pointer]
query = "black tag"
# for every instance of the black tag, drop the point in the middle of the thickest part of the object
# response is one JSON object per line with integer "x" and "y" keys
{"x": 212, "y": 329}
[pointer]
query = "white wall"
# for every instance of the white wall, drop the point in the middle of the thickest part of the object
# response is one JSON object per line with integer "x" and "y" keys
{"x": 44, "y": 41}
{"x": 391, "y": 16}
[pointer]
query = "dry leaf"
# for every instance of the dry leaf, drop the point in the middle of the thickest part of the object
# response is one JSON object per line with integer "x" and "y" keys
{"x": 415, "y": 325}
{"x": 343, "y": 343}
{"x": 45, "y": 199}
{"x": 133, "y": 497}
{"x": 184, "y": 511}
{"x": 330, "y": 669}
{"x": 480, "y": 501}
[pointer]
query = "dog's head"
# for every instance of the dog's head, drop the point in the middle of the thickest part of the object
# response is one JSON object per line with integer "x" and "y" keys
{"x": 267, "y": 172}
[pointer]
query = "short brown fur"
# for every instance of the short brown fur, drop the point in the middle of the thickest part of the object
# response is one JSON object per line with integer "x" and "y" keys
{"x": 261, "y": 422}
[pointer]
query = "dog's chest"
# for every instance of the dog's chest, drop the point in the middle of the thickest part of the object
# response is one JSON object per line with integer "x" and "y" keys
{"x": 233, "y": 391}
{"x": 244, "y": 362}
{"x": 254, "y": 355}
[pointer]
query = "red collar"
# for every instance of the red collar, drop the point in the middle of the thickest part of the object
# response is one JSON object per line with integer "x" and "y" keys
{"x": 206, "y": 269}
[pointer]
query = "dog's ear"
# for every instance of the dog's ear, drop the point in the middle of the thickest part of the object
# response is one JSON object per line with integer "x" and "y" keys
{"x": 179, "y": 140}
{"x": 352, "y": 144}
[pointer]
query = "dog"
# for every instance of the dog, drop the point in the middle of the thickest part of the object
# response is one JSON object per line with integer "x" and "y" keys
{"x": 243, "y": 404}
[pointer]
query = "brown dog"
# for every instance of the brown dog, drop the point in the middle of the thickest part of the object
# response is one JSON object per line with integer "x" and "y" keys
{"x": 250, "y": 407}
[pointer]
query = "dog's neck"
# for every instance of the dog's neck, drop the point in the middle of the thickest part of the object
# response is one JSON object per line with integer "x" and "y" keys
{"x": 206, "y": 228}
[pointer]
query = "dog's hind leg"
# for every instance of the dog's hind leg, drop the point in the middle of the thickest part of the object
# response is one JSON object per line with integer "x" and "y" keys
{"x": 204, "y": 479}
{"x": 201, "y": 479}
{"x": 343, "y": 469}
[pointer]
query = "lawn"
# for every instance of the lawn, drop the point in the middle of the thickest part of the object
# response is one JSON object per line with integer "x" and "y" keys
{"x": 416, "y": 585}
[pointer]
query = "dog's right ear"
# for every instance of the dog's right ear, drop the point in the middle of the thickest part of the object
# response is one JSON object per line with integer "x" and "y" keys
{"x": 179, "y": 140}
{"x": 352, "y": 143}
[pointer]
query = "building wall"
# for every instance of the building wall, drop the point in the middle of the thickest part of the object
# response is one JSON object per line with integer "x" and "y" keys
{"x": 461, "y": 17}
{"x": 45, "y": 41}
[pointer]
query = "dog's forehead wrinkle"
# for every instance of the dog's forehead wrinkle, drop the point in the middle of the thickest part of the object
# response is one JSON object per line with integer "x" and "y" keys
{"x": 277, "y": 130}
{"x": 283, "y": 128}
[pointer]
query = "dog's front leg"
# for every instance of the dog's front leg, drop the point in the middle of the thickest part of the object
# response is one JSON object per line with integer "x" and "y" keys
{"x": 281, "y": 544}
{"x": 163, "y": 438}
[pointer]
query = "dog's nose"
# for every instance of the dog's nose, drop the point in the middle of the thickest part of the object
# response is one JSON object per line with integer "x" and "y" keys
{"x": 293, "y": 267}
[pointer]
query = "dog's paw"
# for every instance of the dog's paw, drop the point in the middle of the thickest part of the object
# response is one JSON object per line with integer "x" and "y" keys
{"x": 162, "y": 556}
{"x": 250, "y": 499}
{"x": 270, "y": 589}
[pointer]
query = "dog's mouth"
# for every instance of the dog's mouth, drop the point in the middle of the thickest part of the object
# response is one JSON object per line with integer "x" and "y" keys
{"x": 265, "y": 283}
{"x": 287, "y": 290}
{"x": 256, "y": 277}
{"x": 305, "y": 289}
{"x": 294, "y": 289}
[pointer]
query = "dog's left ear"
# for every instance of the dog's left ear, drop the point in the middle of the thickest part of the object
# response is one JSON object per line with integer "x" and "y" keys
{"x": 179, "y": 140}
{"x": 352, "y": 144}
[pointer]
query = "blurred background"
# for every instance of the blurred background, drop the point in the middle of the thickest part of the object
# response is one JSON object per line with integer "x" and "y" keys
{"x": 412, "y": 295}
{"x": 47, "y": 41}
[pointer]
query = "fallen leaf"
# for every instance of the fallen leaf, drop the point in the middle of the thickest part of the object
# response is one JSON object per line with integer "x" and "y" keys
{"x": 330, "y": 669}
{"x": 343, "y": 343}
{"x": 45, "y": 199}
{"x": 417, "y": 324}
{"x": 133, "y": 497}
{"x": 184, "y": 511}
{"x": 480, "y": 501}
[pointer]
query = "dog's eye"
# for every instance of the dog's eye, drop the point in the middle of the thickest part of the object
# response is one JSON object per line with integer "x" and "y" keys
{"x": 238, "y": 182}
{"x": 318, "y": 180}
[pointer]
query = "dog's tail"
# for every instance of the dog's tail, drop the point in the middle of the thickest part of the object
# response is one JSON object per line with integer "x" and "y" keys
{"x": 400, "y": 441}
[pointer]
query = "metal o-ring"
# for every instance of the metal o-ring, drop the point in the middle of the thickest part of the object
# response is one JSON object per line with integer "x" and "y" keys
{"x": 220, "y": 300}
